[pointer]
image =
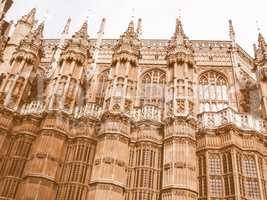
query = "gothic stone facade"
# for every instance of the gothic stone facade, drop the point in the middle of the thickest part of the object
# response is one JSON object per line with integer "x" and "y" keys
{"x": 130, "y": 119}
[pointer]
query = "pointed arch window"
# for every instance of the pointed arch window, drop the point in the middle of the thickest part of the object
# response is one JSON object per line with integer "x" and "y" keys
{"x": 213, "y": 91}
{"x": 152, "y": 88}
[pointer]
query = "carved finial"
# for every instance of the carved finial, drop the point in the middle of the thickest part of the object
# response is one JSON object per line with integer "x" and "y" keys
{"x": 179, "y": 28}
{"x": 66, "y": 27}
{"x": 33, "y": 39}
{"x": 30, "y": 17}
{"x": 128, "y": 39}
{"x": 83, "y": 31}
{"x": 179, "y": 40}
{"x": 139, "y": 27}
{"x": 261, "y": 41}
{"x": 131, "y": 26}
{"x": 231, "y": 30}
{"x": 5, "y": 5}
{"x": 40, "y": 29}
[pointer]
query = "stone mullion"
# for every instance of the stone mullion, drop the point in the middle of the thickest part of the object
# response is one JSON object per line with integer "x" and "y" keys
{"x": 18, "y": 155}
{"x": 175, "y": 92}
{"x": 112, "y": 157}
{"x": 139, "y": 169}
{"x": 207, "y": 174}
{"x": 259, "y": 176}
{"x": 130, "y": 171}
{"x": 9, "y": 142}
{"x": 125, "y": 84}
{"x": 235, "y": 174}
{"x": 79, "y": 165}
{"x": 45, "y": 163}
{"x": 4, "y": 82}
{"x": 180, "y": 165}
{"x": 4, "y": 140}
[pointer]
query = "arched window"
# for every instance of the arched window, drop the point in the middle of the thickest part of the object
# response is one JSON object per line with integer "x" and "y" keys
{"x": 102, "y": 84}
{"x": 152, "y": 88}
{"x": 213, "y": 88}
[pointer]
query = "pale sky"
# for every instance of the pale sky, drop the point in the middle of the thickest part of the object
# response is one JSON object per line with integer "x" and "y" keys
{"x": 202, "y": 19}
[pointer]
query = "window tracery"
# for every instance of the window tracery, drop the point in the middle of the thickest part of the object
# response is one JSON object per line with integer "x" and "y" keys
{"x": 152, "y": 88}
{"x": 213, "y": 88}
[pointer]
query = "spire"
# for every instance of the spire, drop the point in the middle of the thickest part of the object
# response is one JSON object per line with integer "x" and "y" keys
{"x": 83, "y": 31}
{"x": 5, "y": 5}
{"x": 93, "y": 71}
{"x": 67, "y": 27}
{"x": 179, "y": 28}
{"x": 129, "y": 36}
{"x": 102, "y": 26}
{"x": 128, "y": 46}
{"x": 100, "y": 35}
{"x": 139, "y": 27}
{"x": 130, "y": 27}
{"x": 261, "y": 40}
{"x": 30, "y": 47}
{"x": 231, "y": 31}
{"x": 180, "y": 47}
{"x": 78, "y": 47}
{"x": 260, "y": 53}
{"x": 35, "y": 37}
{"x": 30, "y": 17}
{"x": 179, "y": 38}
{"x": 39, "y": 30}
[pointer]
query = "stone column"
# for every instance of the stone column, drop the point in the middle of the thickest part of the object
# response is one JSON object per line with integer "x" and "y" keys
{"x": 111, "y": 160}
{"x": 41, "y": 171}
{"x": 77, "y": 167}
{"x": 17, "y": 155}
{"x": 145, "y": 162}
{"x": 179, "y": 160}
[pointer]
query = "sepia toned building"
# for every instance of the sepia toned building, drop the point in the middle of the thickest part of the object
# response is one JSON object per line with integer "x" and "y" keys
{"x": 130, "y": 118}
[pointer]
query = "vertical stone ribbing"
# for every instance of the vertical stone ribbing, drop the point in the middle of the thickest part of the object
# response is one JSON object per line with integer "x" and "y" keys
{"x": 41, "y": 171}
{"x": 145, "y": 163}
{"x": 111, "y": 159}
{"x": 179, "y": 146}
{"x": 18, "y": 153}
{"x": 6, "y": 121}
{"x": 76, "y": 170}
{"x": 179, "y": 160}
